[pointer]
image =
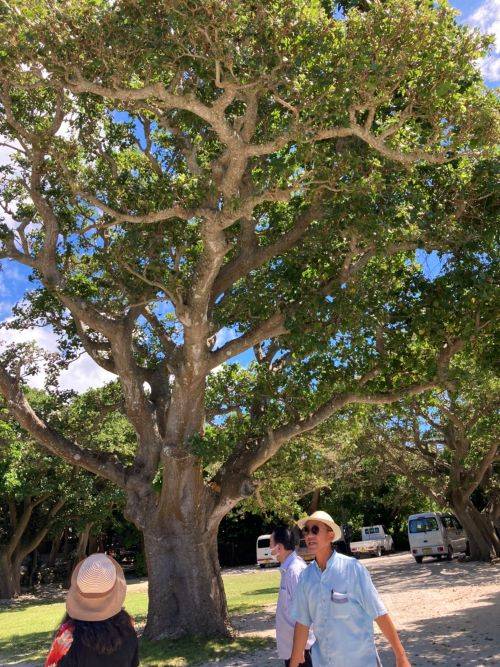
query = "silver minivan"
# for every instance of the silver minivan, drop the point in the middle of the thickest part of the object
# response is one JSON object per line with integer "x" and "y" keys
{"x": 435, "y": 534}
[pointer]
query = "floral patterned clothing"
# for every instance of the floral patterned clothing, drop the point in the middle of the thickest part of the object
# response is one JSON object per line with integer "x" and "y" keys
{"x": 61, "y": 645}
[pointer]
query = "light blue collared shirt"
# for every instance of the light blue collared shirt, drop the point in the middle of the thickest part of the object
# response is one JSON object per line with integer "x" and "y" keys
{"x": 341, "y": 604}
{"x": 290, "y": 570}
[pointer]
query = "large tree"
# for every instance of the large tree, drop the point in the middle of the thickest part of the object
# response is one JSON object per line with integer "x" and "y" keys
{"x": 194, "y": 180}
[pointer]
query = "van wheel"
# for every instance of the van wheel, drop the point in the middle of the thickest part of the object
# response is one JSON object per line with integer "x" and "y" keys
{"x": 449, "y": 555}
{"x": 262, "y": 565}
{"x": 419, "y": 559}
{"x": 439, "y": 556}
{"x": 378, "y": 553}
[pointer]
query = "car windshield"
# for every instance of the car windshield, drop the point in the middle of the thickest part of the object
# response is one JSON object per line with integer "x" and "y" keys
{"x": 423, "y": 524}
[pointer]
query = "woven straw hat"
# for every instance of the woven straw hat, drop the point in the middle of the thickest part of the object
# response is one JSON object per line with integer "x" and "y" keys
{"x": 97, "y": 590}
{"x": 322, "y": 517}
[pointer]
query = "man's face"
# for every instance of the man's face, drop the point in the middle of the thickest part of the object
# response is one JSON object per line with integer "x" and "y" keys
{"x": 277, "y": 549}
{"x": 317, "y": 536}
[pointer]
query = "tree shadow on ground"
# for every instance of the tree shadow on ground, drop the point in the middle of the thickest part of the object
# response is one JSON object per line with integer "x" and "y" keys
{"x": 188, "y": 651}
{"x": 431, "y": 574}
{"x": 255, "y": 622}
{"x": 44, "y": 596}
{"x": 261, "y": 591}
{"x": 196, "y": 650}
{"x": 461, "y": 639}
{"x": 25, "y": 647}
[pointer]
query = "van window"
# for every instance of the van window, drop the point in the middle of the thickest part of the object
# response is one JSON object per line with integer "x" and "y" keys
{"x": 423, "y": 524}
{"x": 264, "y": 542}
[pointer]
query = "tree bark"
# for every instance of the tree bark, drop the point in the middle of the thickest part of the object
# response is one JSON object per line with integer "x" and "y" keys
{"x": 81, "y": 550}
{"x": 483, "y": 540}
{"x": 83, "y": 541}
{"x": 33, "y": 567}
{"x": 54, "y": 549}
{"x": 10, "y": 577}
{"x": 186, "y": 593}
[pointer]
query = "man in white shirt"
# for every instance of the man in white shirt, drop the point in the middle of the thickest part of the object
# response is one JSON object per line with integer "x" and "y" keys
{"x": 291, "y": 567}
{"x": 337, "y": 597}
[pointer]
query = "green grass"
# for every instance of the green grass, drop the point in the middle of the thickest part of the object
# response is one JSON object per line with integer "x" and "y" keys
{"x": 26, "y": 630}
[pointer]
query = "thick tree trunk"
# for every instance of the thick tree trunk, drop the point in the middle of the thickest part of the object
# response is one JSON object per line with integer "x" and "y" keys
{"x": 186, "y": 593}
{"x": 179, "y": 527}
{"x": 10, "y": 577}
{"x": 483, "y": 540}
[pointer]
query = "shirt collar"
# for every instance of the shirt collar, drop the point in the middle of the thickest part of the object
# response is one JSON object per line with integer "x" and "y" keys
{"x": 288, "y": 561}
{"x": 329, "y": 563}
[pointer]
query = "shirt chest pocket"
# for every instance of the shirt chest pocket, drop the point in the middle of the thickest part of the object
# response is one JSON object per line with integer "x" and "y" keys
{"x": 340, "y": 604}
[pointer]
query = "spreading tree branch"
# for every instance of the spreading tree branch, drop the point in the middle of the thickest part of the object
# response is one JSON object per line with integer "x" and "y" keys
{"x": 55, "y": 442}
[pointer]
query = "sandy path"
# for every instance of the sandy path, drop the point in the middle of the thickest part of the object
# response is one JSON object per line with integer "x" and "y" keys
{"x": 447, "y": 614}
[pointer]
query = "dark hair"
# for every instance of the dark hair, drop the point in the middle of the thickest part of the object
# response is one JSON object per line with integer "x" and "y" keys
{"x": 283, "y": 535}
{"x": 103, "y": 637}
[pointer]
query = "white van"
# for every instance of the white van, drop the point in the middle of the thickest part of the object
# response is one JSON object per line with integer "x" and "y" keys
{"x": 435, "y": 534}
{"x": 264, "y": 551}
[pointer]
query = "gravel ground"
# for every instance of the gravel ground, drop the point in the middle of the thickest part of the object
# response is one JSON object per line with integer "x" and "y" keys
{"x": 447, "y": 613}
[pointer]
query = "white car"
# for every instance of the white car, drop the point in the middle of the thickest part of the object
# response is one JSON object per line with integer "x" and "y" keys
{"x": 435, "y": 534}
{"x": 264, "y": 551}
{"x": 374, "y": 541}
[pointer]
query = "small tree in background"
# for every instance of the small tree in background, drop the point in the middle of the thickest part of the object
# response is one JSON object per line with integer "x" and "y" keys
{"x": 30, "y": 500}
{"x": 40, "y": 493}
{"x": 34, "y": 488}
{"x": 446, "y": 444}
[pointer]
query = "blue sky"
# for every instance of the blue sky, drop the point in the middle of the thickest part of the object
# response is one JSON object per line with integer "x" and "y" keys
{"x": 483, "y": 14}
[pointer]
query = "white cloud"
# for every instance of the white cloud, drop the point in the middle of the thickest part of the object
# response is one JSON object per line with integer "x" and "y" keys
{"x": 487, "y": 18}
{"x": 81, "y": 375}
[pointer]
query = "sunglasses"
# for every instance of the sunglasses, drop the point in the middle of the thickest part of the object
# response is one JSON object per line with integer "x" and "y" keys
{"x": 314, "y": 530}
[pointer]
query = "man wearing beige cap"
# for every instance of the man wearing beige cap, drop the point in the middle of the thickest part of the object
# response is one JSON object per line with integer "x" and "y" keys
{"x": 336, "y": 596}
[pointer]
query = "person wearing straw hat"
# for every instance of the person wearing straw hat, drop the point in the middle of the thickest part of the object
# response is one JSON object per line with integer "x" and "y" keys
{"x": 335, "y": 595}
{"x": 96, "y": 631}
